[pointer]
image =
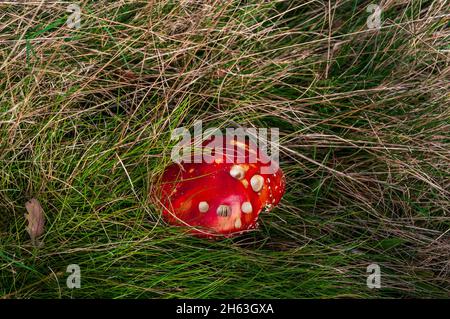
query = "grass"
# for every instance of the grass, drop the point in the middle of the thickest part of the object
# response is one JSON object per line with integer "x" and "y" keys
{"x": 85, "y": 122}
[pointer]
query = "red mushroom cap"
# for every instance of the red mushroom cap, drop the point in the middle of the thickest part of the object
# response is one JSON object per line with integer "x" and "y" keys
{"x": 222, "y": 197}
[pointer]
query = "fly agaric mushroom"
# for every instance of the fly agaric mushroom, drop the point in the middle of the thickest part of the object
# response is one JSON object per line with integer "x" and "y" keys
{"x": 222, "y": 197}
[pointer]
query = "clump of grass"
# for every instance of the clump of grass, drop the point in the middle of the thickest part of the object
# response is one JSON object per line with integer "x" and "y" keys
{"x": 85, "y": 123}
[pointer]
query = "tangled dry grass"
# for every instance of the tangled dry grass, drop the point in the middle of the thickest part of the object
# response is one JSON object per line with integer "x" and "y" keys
{"x": 85, "y": 122}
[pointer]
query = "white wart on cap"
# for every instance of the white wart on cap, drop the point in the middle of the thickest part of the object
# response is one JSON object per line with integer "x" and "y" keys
{"x": 246, "y": 207}
{"x": 237, "y": 172}
{"x": 238, "y": 223}
{"x": 203, "y": 207}
{"x": 257, "y": 182}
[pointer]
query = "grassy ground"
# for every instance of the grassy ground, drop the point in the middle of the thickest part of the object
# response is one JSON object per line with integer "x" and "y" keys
{"x": 85, "y": 122}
